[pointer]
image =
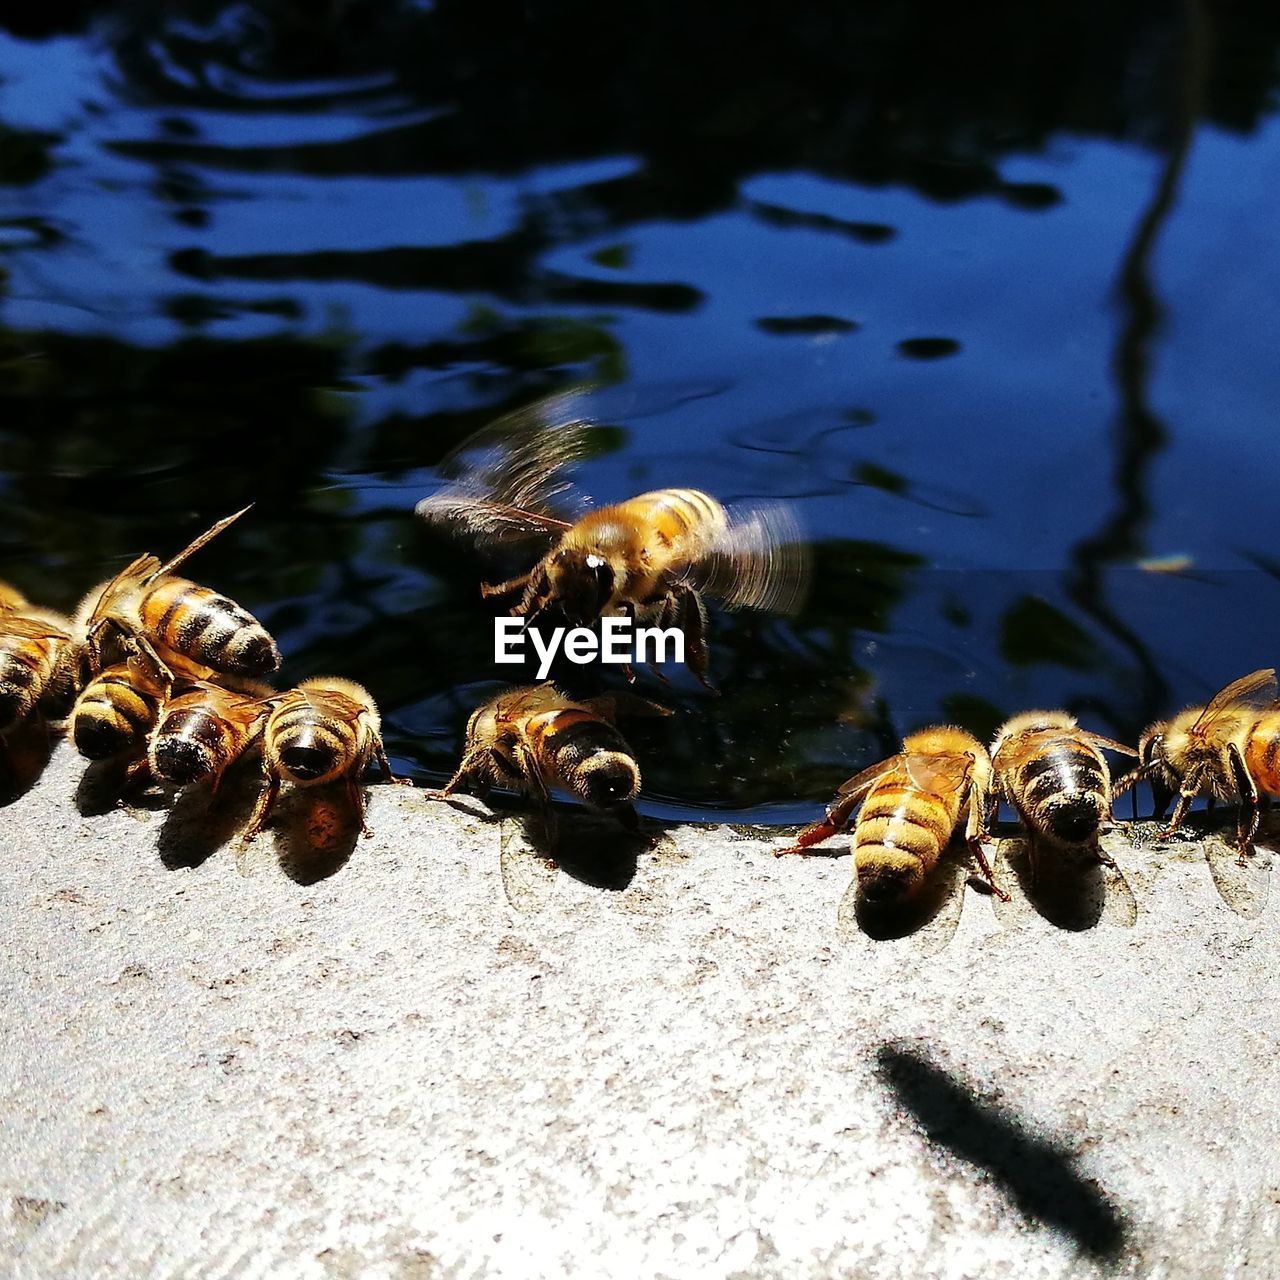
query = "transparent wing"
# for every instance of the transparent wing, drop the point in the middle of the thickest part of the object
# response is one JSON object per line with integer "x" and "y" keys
{"x": 19, "y": 627}
{"x": 528, "y": 874}
{"x": 760, "y": 560}
{"x": 939, "y": 772}
{"x": 1257, "y": 689}
{"x": 864, "y": 780}
{"x": 506, "y": 483}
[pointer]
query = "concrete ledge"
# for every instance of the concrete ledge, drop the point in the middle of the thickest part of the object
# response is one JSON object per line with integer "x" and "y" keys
{"x": 692, "y": 1067}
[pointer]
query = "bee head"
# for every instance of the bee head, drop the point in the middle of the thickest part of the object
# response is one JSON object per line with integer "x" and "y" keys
{"x": 608, "y": 779}
{"x": 889, "y": 880}
{"x": 580, "y": 583}
{"x": 1151, "y": 746}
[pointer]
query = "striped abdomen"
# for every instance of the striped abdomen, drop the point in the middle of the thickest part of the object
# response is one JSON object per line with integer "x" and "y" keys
{"x": 585, "y": 754}
{"x": 1063, "y": 788}
{"x": 900, "y": 833}
{"x": 675, "y": 514}
{"x": 1262, "y": 753}
{"x": 202, "y": 625}
{"x": 308, "y": 744}
{"x": 195, "y": 740}
{"x": 27, "y": 664}
{"x": 115, "y": 712}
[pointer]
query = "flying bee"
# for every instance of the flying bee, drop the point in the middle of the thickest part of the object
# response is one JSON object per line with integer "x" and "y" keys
{"x": 146, "y": 607}
{"x": 204, "y": 730}
{"x": 1054, "y": 775}
{"x": 911, "y": 805}
{"x": 36, "y": 663}
{"x": 651, "y": 558}
{"x": 117, "y": 709}
{"x": 1226, "y": 749}
{"x": 327, "y": 728}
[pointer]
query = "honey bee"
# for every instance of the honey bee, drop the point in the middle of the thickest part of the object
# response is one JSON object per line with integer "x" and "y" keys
{"x": 650, "y": 558}
{"x": 1054, "y": 775}
{"x": 117, "y": 709}
{"x": 36, "y": 663}
{"x": 911, "y": 805}
{"x": 327, "y": 728}
{"x": 1225, "y": 749}
{"x": 204, "y": 730}
{"x": 10, "y": 598}
{"x": 533, "y": 738}
{"x": 176, "y": 621}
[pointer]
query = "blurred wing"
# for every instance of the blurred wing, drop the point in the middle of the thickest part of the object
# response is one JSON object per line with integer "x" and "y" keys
{"x": 528, "y": 876}
{"x": 335, "y": 704}
{"x": 759, "y": 561}
{"x": 939, "y": 772}
{"x": 1108, "y": 744}
{"x": 504, "y": 484}
{"x": 1257, "y": 689}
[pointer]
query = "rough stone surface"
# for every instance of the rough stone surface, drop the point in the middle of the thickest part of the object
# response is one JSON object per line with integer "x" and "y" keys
{"x": 692, "y": 1066}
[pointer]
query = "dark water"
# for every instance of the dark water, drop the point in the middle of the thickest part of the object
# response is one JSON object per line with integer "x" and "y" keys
{"x": 994, "y": 304}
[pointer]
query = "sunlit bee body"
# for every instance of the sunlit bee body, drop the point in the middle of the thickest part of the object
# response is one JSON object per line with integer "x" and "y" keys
{"x": 151, "y": 609}
{"x": 652, "y": 557}
{"x": 324, "y": 730}
{"x": 910, "y": 806}
{"x": 203, "y": 731}
{"x": 533, "y": 738}
{"x": 1055, "y": 776}
{"x": 117, "y": 710}
{"x": 36, "y": 652}
{"x": 10, "y": 598}
{"x": 1226, "y": 749}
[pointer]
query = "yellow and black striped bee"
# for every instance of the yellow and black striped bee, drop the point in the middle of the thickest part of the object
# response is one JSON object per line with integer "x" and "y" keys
{"x": 1226, "y": 749}
{"x": 36, "y": 663}
{"x": 1055, "y": 776}
{"x": 146, "y": 607}
{"x": 117, "y": 710}
{"x": 911, "y": 805}
{"x": 325, "y": 729}
{"x": 650, "y": 558}
{"x": 533, "y": 738}
{"x": 204, "y": 730}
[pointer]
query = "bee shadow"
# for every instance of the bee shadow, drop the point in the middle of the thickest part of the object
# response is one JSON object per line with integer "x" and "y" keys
{"x": 24, "y": 755}
{"x": 198, "y": 825}
{"x": 597, "y": 850}
{"x": 1072, "y": 890}
{"x": 103, "y": 787}
{"x": 1244, "y": 885}
{"x": 315, "y": 831}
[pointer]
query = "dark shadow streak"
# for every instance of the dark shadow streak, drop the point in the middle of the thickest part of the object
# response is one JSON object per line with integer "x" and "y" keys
{"x": 1037, "y": 1175}
{"x": 1140, "y": 434}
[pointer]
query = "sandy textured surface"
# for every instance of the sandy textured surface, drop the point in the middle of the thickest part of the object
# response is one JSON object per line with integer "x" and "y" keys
{"x": 287, "y": 1065}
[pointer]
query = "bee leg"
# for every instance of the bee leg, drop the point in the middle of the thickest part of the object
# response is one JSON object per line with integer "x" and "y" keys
{"x": 355, "y": 797}
{"x": 1101, "y": 855}
{"x": 380, "y": 754}
{"x": 1245, "y": 831}
{"x": 1161, "y": 797}
{"x": 507, "y": 588}
{"x": 1179, "y": 812}
{"x": 137, "y": 775}
{"x": 262, "y": 809}
{"x": 975, "y": 833}
{"x": 693, "y": 622}
{"x": 834, "y": 822}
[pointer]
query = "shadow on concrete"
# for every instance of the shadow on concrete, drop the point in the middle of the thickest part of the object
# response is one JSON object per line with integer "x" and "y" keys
{"x": 24, "y": 755}
{"x": 199, "y": 824}
{"x": 315, "y": 830}
{"x": 1036, "y": 1174}
{"x": 930, "y": 918}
